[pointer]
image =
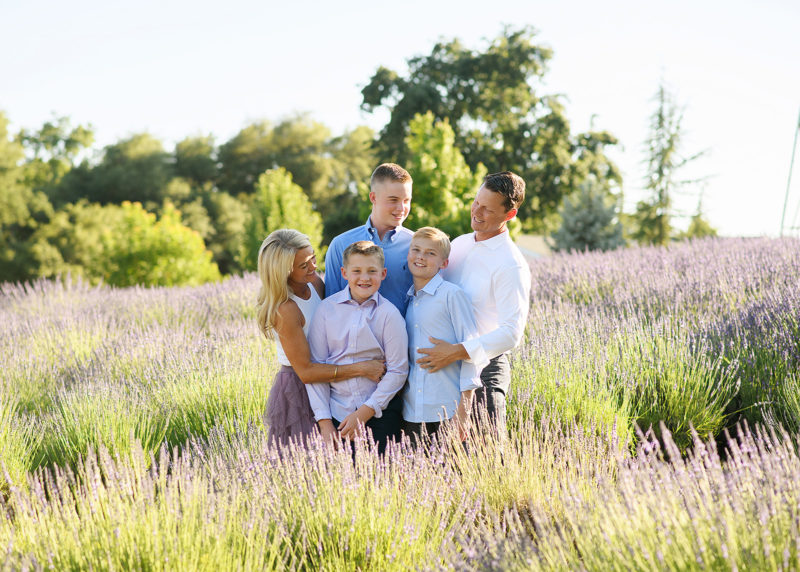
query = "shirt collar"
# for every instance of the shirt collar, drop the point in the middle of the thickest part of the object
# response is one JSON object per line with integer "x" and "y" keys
{"x": 430, "y": 288}
{"x": 373, "y": 232}
{"x": 495, "y": 242}
{"x": 344, "y": 296}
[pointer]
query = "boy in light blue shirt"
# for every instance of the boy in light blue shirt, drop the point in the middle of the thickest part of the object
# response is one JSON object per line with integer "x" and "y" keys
{"x": 441, "y": 310}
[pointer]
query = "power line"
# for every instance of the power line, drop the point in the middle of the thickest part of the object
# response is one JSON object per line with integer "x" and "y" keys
{"x": 789, "y": 182}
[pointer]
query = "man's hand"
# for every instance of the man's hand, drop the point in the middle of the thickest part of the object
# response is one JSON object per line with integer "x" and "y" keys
{"x": 328, "y": 431}
{"x": 461, "y": 418}
{"x": 353, "y": 424}
{"x": 440, "y": 355}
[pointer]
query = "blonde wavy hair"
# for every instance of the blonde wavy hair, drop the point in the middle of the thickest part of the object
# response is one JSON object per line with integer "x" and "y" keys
{"x": 275, "y": 263}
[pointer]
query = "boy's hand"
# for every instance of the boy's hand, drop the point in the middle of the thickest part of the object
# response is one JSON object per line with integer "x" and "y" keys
{"x": 329, "y": 433}
{"x": 440, "y": 355}
{"x": 353, "y": 424}
{"x": 461, "y": 420}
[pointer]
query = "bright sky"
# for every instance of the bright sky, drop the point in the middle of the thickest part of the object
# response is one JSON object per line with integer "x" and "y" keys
{"x": 180, "y": 67}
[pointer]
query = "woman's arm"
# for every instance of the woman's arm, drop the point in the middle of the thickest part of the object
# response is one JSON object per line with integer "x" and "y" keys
{"x": 295, "y": 346}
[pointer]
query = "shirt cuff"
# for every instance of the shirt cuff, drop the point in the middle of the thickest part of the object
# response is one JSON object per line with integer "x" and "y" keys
{"x": 377, "y": 408}
{"x": 467, "y": 383}
{"x": 477, "y": 354}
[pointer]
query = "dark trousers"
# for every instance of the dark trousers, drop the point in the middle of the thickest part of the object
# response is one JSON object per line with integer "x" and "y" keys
{"x": 421, "y": 433}
{"x": 386, "y": 427}
{"x": 496, "y": 379}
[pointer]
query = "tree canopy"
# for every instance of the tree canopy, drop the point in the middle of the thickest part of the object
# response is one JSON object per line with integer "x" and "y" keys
{"x": 492, "y": 101}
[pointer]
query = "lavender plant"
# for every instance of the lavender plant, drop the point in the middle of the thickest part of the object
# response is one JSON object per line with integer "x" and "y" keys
{"x": 132, "y": 436}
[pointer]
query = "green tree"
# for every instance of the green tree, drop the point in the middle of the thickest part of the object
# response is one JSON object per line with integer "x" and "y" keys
{"x": 699, "y": 227}
{"x": 490, "y": 99}
{"x": 158, "y": 252}
{"x": 22, "y": 209}
{"x": 51, "y": 152}
{"x": 665, "y": 161}
{"x": 134, "y": 169}
{"x": 230, "y": 218}
{"x": 279, "y": 203}
{"x": 122, "y": 245}
{"x": 195, "y": 161}
{"x": 589, "y": 220}
{"x": 354, "y": 160}
{"x": 297, "y": 144}
{"x": 444, "y": 185}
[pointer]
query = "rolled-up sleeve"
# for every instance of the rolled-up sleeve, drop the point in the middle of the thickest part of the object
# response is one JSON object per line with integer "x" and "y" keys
{"x": 395, "y": 347}
{"x": 319, "y": 394}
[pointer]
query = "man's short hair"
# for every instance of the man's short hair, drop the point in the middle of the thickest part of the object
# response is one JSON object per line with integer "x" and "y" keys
{"x": 437, "y": 236}
{"x": 389, "y": 172}
{"x": 511, "y": 186}
{"x": 364, "y": 248}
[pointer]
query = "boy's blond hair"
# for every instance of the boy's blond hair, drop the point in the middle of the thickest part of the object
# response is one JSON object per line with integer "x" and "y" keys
{"x": 441, "y": 240}
{"x": 364, "y": 248}
{"x": 389, "y": 172}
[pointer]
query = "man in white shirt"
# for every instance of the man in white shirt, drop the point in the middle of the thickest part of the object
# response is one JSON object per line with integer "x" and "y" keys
{"x": 489, "y": 267}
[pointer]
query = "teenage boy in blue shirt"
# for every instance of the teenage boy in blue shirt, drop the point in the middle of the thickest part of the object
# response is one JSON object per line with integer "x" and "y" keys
{"x": 390, "y": 195}
{"x": 437, "y": 309}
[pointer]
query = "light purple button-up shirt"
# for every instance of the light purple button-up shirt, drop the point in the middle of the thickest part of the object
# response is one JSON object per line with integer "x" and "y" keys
{"x": 343, "y": 332}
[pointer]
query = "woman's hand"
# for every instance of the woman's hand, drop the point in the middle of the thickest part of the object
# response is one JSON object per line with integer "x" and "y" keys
{"x": 373, "y": 369}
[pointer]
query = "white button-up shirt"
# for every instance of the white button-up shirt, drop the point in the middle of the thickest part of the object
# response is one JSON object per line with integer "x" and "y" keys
{"x": 440, "y": 310}
{"x": 497, "y": 279}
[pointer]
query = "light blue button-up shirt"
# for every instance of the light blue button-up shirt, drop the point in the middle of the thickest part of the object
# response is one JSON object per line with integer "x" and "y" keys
{"x": 343, "y": 331}
{"x": 441, "y": 310}
{"x": 395, "y": 245}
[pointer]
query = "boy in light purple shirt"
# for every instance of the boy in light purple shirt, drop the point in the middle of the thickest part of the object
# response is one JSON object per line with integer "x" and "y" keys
{"x": 350, "y": 326}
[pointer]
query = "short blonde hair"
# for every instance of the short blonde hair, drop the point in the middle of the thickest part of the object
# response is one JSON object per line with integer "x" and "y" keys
{"x": 441, "y": 240}
{"x": 364, "y": 248}
{"x": 389, "y": 172}
{"x": 275, "y": 263}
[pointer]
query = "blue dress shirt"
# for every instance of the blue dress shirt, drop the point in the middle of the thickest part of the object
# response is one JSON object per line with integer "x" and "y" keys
{"x": 343, "y": 331}
{"x": 395, "y": 245}
{"x": 441, "y": 310}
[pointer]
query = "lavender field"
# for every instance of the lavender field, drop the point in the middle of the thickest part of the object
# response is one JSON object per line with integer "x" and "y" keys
{"x": 653, "y": 424}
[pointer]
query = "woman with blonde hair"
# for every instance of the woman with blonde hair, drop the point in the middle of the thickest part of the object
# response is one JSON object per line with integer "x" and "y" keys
{"x": 289, "y": 295}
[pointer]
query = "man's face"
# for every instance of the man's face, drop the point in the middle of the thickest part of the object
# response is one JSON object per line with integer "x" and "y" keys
{"x": 364, "y": 275}
{"x": 425, "y": 259}
{"x": 489, "y": 215}
{"x": 391, "y": 203}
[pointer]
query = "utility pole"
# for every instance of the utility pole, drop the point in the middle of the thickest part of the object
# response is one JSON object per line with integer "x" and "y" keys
{"x": 789, "y": 182}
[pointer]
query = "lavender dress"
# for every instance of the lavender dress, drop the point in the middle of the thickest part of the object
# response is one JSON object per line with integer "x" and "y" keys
{"x": 289, "y": 415}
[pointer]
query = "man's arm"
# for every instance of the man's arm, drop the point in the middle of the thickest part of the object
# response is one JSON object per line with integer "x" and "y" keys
{"x": 511, "y": 289}
{"x": 334, "y": 282}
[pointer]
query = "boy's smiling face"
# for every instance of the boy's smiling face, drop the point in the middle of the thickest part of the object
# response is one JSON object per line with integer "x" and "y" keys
{"x": 391, "y": 203}
{"x": 364, "y": 275}
{"x": 425, "y": 258}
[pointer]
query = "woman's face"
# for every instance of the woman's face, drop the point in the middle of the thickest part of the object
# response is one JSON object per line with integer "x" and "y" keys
{"x": 304, "y": 267}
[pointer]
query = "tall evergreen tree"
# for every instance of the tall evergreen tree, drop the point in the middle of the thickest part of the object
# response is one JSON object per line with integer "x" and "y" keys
{"x": 665, "y": 161}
